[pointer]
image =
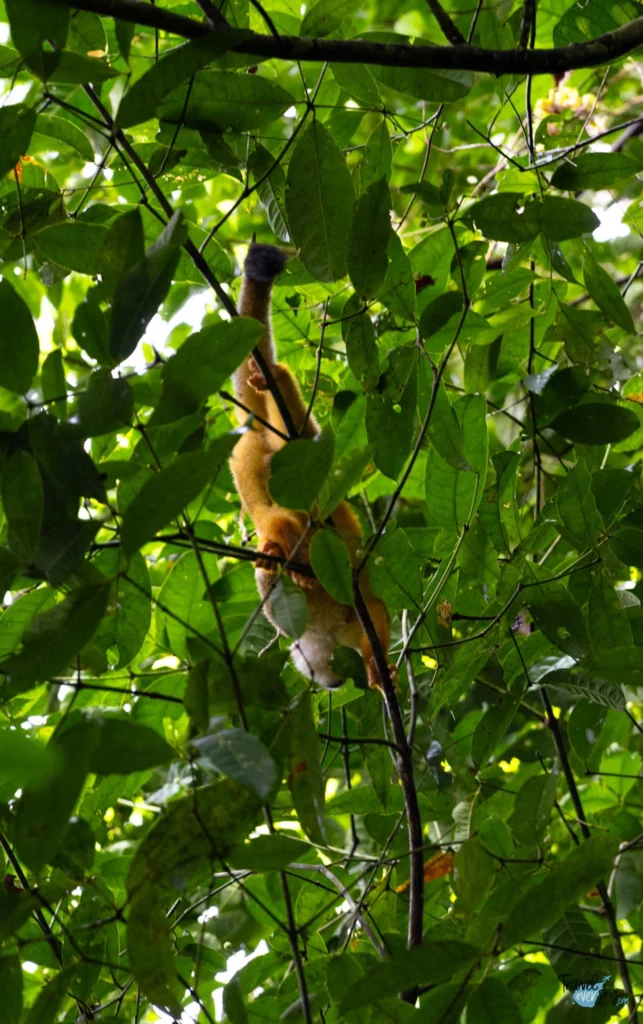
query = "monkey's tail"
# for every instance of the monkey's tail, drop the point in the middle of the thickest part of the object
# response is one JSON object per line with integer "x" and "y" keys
{"x": 263, "y": 263}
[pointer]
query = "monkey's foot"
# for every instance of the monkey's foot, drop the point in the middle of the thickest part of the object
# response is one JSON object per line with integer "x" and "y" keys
{"x": 373, "y": 676}
{"x": 305, "y": 582}
{"x": 267, "y": 564}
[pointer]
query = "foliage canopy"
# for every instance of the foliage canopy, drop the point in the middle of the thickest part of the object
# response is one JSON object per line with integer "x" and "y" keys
{"x": 462, "y": 306}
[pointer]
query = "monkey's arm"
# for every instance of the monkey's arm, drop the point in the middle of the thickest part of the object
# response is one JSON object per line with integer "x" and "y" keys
{"x": 262, "y": 265}
{"x": 279, "y": 531}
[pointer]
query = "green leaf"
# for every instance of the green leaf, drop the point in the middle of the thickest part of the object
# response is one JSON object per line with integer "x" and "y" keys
{"x": 289, "y": 607}
{"x": 129, "y": 612}
{"x": 164, "y": 496}
{"x": 268, "y": 853}
{"x": 428, "y": 193}
{"x": 54, "y": 638}
{"x": 306, "y": 781}
{"x": 90, "y": 328}
{"x": 505, "y": 217}
{"x": 368, "y": 239}
{"x": 358, "y": 82}
{"x": 239, "y": 755}
{"x": 572, "y": 932}
{"x": 124, "y": 746}
{"x": 18, "y": 341}
{"x": 46, "y": 805}
{"x": 432, "y": 962}
{"x": 398, "y": 291}
{"x": 608, "y": 623}
{"x": 67, "y": 465}
{"x": 73, "y": 244}
{"x": 577, "y": 506}
{"x": 578, "y": 25}
{"x": 453, "y": 495}
{"x": 123, "y": 246}
{"x": 16, "y": 126}
{"x": 361, "y": 351}
{"x": 75, "y": 69}
{"x": 11, "y": 987}
{"x": 205, "y": 823}
{"x": 183, "y": 594}
{"x": 390, "y": 412}
{"x": 326, "y": 16}
{"x": 106, "y": 405}
{"x": 394, "y": 571}
{"x": 532, "y": 809}
{"x": 141, "y": 290}
{"x": 606, "y": 294}
{"x": 596, "y": 423}
{"x": 299, "y": 469}
{"x": 50, "y": 998}
{"x": 330, "y": 560}
{"x": 627, "y": 545}
{"x": 217, "y": 100}
{"x": 430, "y": 85}
{"x": 151, "y": 950}
{"x": 566, "y": 883}
{"x": 565, "y": 218}
{"x": 439, "y": 312}
{"x": 17, "y": 617}
{"x": 346, "y": 473}
{"x": 494, "y": 724}
{"x": 54, "y": 385}
{"x": 319, "y": 202}
{"x": 23, "y": 501}
{"x": 620, "y": 665}
{"x": 594, "y": 170}
{"x": 23, "y": 762}
{"x": 65, "y": 131}
{"x": 557, "y": 614}
{"x": 583, "y": 684}
{"x": 234, "y": 1006}
{"x": 142, "y": 100}
{"x": 466, "y": 664}
{"x": 475, "y": 870}
{"x": 35, "y": 23}
{"x": 202, "y": 365}
{"x": 491, "y": 1002}
{"x": 377, "y": 159}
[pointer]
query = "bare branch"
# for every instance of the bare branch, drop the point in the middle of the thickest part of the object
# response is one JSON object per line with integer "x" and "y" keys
{"x": 450, "y": 30}
{"x": 602, "y": 50}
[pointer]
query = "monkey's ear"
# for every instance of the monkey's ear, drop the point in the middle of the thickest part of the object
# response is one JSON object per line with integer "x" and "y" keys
{"x": 254, "y": 238}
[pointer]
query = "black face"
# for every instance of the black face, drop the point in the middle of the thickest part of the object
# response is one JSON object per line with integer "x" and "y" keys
{"x": 264, "y": 262}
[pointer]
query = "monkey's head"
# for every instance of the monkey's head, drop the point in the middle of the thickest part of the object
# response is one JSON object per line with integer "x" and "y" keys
{"x": 264, "y": 262}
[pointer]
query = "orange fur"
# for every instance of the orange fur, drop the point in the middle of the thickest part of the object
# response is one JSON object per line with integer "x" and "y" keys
{"x": 280, "y": 531}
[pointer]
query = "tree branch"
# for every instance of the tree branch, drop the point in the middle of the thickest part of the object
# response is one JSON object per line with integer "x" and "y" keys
{"x": 450, "y": 31}
{"x": 404, "y": 764}
{"x": 602, "y": 50}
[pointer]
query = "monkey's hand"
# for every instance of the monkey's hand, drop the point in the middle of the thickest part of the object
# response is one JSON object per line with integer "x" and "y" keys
{"x": 256, "y": 378}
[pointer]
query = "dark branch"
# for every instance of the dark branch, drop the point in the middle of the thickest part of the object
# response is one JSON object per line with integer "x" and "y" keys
{"x": 602, "y": 50}
{"x": 451, "y": 31}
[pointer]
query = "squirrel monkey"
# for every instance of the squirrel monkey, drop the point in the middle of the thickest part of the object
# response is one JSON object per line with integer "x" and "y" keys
{"x": 280, "y": 531}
